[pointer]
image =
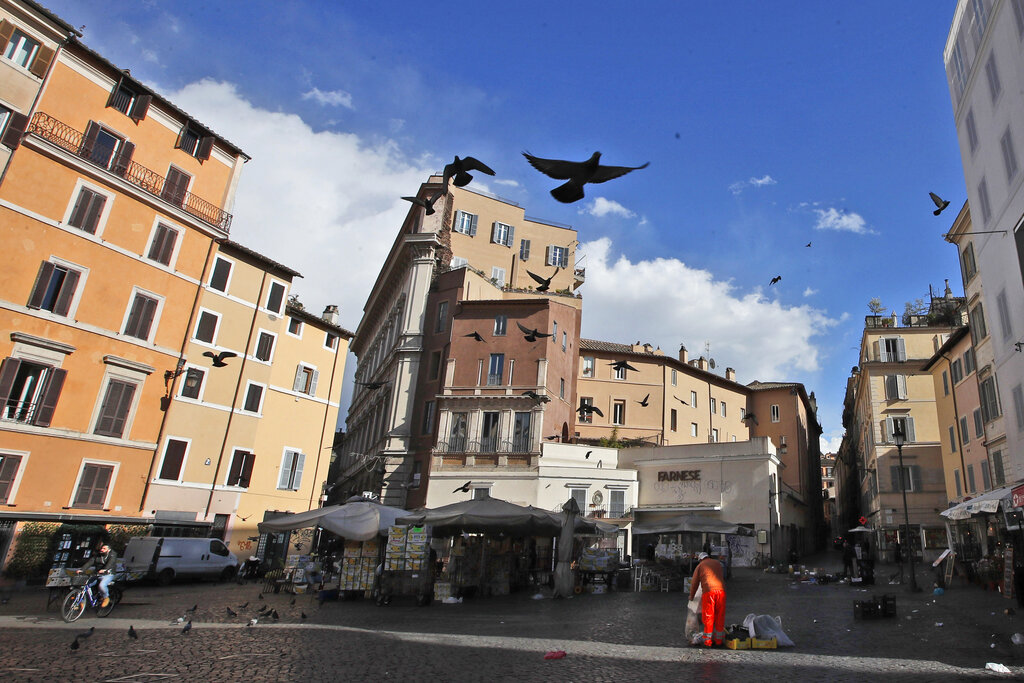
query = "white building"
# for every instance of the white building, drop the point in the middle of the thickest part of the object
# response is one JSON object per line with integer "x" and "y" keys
{"x": 984, "y": 58}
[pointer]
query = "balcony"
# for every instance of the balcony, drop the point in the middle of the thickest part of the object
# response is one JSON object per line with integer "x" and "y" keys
{"x": 486, "y": 452}
{"x": 19, "y": 411}
{"x": 612, "y": 512}
{"x": 73, "y": 141}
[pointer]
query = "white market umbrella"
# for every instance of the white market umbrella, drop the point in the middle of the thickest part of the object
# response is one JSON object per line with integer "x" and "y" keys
{"x": 359, "y": 520}
{"x": 860, "y": 528}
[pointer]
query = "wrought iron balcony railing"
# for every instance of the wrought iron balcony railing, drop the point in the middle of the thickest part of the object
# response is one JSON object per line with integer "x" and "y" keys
{"x": 19, "y": 411}
{"x": 461, "y": 445}
{"x": 73, "y": 141}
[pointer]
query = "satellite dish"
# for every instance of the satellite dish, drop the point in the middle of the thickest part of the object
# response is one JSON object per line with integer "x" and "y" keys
{"x": 712, "y": 363}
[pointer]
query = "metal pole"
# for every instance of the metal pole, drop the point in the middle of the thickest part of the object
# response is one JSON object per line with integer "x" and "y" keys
{"x": 906, "y": 519}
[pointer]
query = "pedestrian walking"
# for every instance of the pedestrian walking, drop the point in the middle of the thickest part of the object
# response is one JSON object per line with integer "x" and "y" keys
{"x": 848, "y": 557}
{"x": 709, "y": 575}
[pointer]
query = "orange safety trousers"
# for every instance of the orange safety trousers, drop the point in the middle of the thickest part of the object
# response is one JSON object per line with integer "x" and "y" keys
{"x": 712, "y": 609}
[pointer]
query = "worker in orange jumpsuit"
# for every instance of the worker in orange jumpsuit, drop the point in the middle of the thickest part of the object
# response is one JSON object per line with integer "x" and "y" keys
{"x": 709, "y": 575}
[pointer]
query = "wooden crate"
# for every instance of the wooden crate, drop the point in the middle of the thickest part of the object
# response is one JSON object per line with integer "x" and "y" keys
{"x": 764, "y": 644}
{"x": 738, "y": 643}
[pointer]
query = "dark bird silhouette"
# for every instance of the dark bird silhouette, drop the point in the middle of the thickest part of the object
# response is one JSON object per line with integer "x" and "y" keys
{"x": 262, "y": 608}
{"x": 552, "y": 437}
{"x": 940, "y": 203}
{"x": 74, "y": 644}
{"x": 545, "y": 283}
{"x": 774, "y": 280}
{"x": 474, "y": 335}
{"x": 303, "y": 615}
{"x": 577, "y": 173}
{"x": 261, "y": 597}
{"x": 187, "y": 627}
{"x": 428, "y": 203}
{"x": 1018, "y": 346}
{"x": 193, "y": 608}
{"x": 750, "y": 416}
{"x": 243, "y": 606}
{"x": 680, "y": 400}
{"x": 644, "y": 402}
{"x": 531, "y": 335}
{"x": 536, "y": 397}
{"x": 231, "y": 612}
{"x": 132, "y": 633}
{"x": 586, "y": 410}
{"x": 219, "y": 358}
{"x": 587, "y": 456}
{"x": 808, "y": 244}
{"x": 460, "y": 170}
{"x": 464, "y": 488}
{"x": 274, "y": 615}
{"x": 86, "y": 634}
{"x": 622, "y": 365}
{"x": 372, "y": 386}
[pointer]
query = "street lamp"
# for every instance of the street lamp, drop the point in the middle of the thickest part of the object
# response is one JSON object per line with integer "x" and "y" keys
{"x": 900, "y": 438}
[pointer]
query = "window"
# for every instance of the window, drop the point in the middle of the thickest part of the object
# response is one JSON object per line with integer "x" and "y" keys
{"x": 714, "y": 405}
{"x": 977, "y": 320}
{"x": 722, "y": 403}
{"x": 775, "y": 412}
{"x": 672, "y": 420}
{"x": 524, "y": 250}
{"x": 93, "y": 484}
{"x": 1005, "y": 326}
{"x": 986, "y": 206}
{"x": 106, "y": 148}
{"x": 616, "y": 503}
{"x": 892, "y": 350}
{"x": 417, "y": 475}
{"x": 554, "y": 329}
{"x": 997, "y": 467}
{"x": 1018, "y": 406}
{"x": 331, "y": 341}
{"x": 275, "y": 297}
{"x": 206, "y": 327}
{"x": 291, "y": 471}
{"x": 464, "y": 223}
{"x": 221, "y": 275}
{"x": 161, "y": 249}
{"x": 945, "y": 383}
{"x": 965, "y": 434}
{"x": 115, "y": 409}
{"x": 489, "y": 432}
{"x": 174, "y": 458}
{"x": 192, "y": 142}
{"x": 294, "y": 327}
{"x": 959, "y": 67}
{"x": 428, "y": 417}
{"x": 305, "y": 380}
{"x": 502, "y": 233}
{"x": 561, "y": 387}
{"x": 979, "y": 19}
{"x": 972, "y": 131}
{"x": 619, "y": 413}
{"x": 970, "y": 479}
{"x": 714, "y": 435}
{"x": 253, "y": 398}
{"x": 693, "y": 399}
{"x": 910, "y": 479}
{"x": 496, "y": 369}
{"x": 693, "y": 429}
{"x": 992, "y": 75}
{"x": 580, "y": 496}
{"x": 175, "y": 186}
{"x": 1009, "y": 155}
{"x": 88, "y": 210}
{"x": 565, "y": 339}
{"x": 481, "y": 492}
{"x": 54, "y": 288}
{"x": 952, "y": 438}
{"x": 956, "y": 481}
{"x": 586, "y": 417}
{"x": 989, "y": 399}
{"x": 141, "y": 316}
{"x": 29, "y": 391}
{"x": 21, "y": 49}
{"x": 967, "y": 264}
{"x": 441, "y": 321}
{"x": 673, "y": 377}
{"x": 979, "y": 424}
{"x": 956, "y": 371}
{"x": 457, "y": 435}
{"x": 985, "y": 483}
{"x": 500, "y": 325}
{"x": 265, "y": 346}
{"x": 241, "y": 468}
{"x": 557, "y": 256}
{"x": 619, "y": 373}
{"x": 902, "y": 424}
{"x": 126, "y": 100}
{"x": 9, "y": 464}
{"x": 968, "y": 361}
{"x": 434, "y": 369}
{"x": 588, "y": 366}
{"x": 498, "y": 275}
{"x": 457, "y": 262}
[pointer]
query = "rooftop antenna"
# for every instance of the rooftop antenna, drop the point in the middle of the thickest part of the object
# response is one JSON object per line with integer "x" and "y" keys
{"x": 707, "y": 353}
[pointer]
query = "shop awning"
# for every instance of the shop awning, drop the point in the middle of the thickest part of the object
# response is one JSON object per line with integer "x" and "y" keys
{"x": 985, "y": 503}
{"x": 680, "y": 523}
{"x": 356, "y": 520}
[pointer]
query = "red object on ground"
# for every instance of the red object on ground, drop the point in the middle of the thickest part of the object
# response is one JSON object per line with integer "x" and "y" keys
{"x": 555, "y": 654}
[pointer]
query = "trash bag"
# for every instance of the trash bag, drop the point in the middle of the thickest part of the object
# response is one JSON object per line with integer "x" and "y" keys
{"x": 693, "y": 631}
{"x": 765, "y": 626}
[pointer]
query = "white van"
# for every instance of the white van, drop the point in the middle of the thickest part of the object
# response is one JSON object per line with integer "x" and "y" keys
{"x": 165, "y": 558}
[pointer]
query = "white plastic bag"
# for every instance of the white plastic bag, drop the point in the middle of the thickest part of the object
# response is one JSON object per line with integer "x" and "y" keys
{"x": 765, "y": 626}
{"x": 693, "y": 630}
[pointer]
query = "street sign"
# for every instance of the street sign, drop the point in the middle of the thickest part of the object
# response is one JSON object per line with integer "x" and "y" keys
{"x": 1018, "y": 496}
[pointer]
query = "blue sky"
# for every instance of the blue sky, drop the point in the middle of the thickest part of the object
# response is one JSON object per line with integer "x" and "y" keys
{"x": 766, "y": 125}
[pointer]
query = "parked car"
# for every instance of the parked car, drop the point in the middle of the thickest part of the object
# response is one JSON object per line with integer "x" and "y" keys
{"x": 166, "y": 558}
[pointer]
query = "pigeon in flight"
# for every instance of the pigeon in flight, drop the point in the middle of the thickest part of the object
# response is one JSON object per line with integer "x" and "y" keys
{"x": 428, "y": 203}
{"x": 219, "y": 358}
{"x": 586, "y": 410}
{"x": 531, "y": 335}
{"x": 750, "y": 416}
{"x": 132, "y": 633}
{"x": 587, "y": 456}
{"x": 622, "y": 365}
{"x": 460, "y": 170}
{"x": 474, "y": 335}
{"x": 371, "y": 386}
{"x": 536, "y": 397}
{"x": 940, "y": 203}
{"x": 774, "y": 280}
{"x": 644, "y": 402}
{"x": 577, "y": 173}
{"x": 808, "y": 244}
{"x": 680, "y": 400}
{"x": 544, "y": 283}
{"x": 464, "y": 488}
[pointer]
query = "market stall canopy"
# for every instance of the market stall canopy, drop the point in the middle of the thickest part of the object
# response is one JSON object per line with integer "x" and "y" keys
{"x": 357, "y": 520}
{"x": 680, "y": 523}
{"x": 493, "y": 515}
{"x": 985, "y": 503}
{"x": 859, "y": 528}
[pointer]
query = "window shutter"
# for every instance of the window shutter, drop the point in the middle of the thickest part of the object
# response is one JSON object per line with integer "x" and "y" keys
{"x": 113, "y": 93}
{"x": 92, "y": 131}
{"x": 547, "y": 255}
{"x": 140, "y": 107}
{"x": 205, "y": 148}
{"x": 901, "y": 349}
{"x": 915, "y": 477}
{"x": 894, "y": 472}
{"x": 312, "y": 384}
{"x": 174, "y": 456}
{"x": 35, "y": 300}
{"x": 472, "y": 225}
{"x": 286, "y": 468}
{"x": 235, "y": 473}
{"x": 8, "y": 371}
{"x": 457, "y": 222}
{"x": 15, "y": 129}
{"x": 248, "y": 460}
{"x": 8, "y": 468}
{"x": 564, "y": 261}
{"x": 6, "y": 31}
{"x": 55, "y": 382}
{"x": 901, "y": 386}
{"x": 509, "y": 240}
{"x": 879, "y": 350}
{"x": 494, "y": 233}
{"x": 67, "y": 291}
{"x": 42, "y": 61}
{"x": 299, "y": 460}
{"x": 124, "y": 158}
{"x": 911, "y": 437}
{"x": 887, "y": 430}
{"x": 297, "y": 382}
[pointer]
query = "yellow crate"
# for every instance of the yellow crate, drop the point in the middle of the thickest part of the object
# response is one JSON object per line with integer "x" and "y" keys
{"x": 738, "y": 643}
{"x": 759, "y": 644}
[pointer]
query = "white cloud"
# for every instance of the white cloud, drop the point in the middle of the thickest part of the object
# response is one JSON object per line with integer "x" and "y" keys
{"x": 602, "y": 207}
{"x": 665, "y": 302}
{"x": 810, "y": 292}
{"x": 506, "y": 181}
{"x": 830, "y": 443}
{"x": 329, "y": 98}
{"x": 741, "y": 185}
{"x": 841, "y": 221}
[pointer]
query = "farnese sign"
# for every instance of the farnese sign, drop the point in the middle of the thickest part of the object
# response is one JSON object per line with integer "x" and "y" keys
{"x": 679, "y": 475}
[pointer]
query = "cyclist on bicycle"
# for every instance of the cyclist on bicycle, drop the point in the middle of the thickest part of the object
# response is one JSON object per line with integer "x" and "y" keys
{"x": 106, "y": 560}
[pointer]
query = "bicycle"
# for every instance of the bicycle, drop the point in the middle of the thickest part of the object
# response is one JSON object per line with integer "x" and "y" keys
{"x": 84, "y": 595}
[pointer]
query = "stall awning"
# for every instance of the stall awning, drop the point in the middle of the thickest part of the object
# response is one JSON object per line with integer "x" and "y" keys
{"x": 985, "y": 503}
{"x": 690, "y": 523}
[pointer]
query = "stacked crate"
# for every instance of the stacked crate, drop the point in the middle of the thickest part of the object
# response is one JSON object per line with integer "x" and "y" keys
{"x": 358, "y": 564}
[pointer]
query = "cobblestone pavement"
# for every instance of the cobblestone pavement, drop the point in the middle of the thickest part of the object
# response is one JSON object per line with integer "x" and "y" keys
{"x": 619, "y": 636}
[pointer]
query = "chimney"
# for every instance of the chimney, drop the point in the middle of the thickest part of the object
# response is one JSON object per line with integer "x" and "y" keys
{"x": 730, "y": 374}
{"x": 682, "y": 354}
{"x": 331, "y": 314}
{"x": 949, "y": 292}
{"x": 702, "y": 363}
